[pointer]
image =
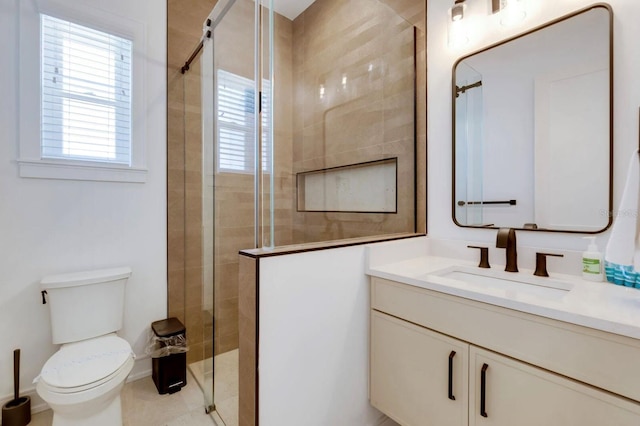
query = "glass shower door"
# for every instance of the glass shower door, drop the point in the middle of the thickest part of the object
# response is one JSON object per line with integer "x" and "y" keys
{"x": 232, "y": 160}
{"x": 198, "y": 311}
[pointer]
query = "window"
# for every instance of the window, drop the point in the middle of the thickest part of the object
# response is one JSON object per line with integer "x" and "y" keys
{"x": 236, "y": 126}
{"x": 89, "y": 81}
{"x": 86, "y": 93}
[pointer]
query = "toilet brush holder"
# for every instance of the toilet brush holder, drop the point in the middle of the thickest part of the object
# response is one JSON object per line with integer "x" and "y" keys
{"x": 16, "y": 412}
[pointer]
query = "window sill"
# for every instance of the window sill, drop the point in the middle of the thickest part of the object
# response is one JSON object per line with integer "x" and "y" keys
{"x": 71, "y": 170}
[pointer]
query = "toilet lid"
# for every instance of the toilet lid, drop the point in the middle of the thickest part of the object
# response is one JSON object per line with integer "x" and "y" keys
{"x": 80, "y": 363}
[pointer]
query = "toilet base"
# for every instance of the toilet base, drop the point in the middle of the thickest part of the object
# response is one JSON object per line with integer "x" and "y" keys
{"x": 111, "y": 415}
{"x": 97, "y": 406}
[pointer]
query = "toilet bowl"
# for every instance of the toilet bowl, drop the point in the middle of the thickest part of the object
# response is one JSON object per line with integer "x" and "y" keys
{"x": 83, "y": 380}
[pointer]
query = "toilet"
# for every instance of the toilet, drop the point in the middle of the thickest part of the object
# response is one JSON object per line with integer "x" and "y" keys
{"x": 83, "y": 380}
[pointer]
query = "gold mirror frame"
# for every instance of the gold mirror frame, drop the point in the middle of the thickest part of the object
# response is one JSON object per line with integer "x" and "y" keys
{"x": 608, "y": 8}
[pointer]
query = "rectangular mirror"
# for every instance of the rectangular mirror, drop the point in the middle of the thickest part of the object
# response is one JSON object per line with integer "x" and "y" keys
{"x": 532, "y": 128}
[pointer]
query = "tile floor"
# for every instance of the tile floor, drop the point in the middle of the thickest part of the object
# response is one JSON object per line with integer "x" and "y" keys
{"x": 226, "y": 384}
{"x": 226, "y": 394}
{"x": 143, "y": 406}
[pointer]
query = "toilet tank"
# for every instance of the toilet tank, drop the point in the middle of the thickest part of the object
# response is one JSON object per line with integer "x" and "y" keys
{"x": 85, "y": 304}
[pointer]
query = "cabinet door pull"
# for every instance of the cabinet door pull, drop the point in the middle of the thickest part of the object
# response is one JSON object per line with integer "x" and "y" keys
{"x": 451, "y": 355}
{"x": 483, "y": 386}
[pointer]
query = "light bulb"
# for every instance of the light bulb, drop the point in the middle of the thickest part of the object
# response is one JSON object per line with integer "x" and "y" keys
{"x": 457, "y": 25}
{"x": 457, "y": 11}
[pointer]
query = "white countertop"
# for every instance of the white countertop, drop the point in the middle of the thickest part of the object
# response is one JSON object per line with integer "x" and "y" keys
{"x": 598, "y": 305}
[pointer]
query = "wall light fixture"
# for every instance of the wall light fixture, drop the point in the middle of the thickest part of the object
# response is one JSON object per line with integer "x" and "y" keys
{"x": 457, "y": 28}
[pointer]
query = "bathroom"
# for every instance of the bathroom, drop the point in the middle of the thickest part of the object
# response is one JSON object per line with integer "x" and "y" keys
{"x": 54, "y": 226}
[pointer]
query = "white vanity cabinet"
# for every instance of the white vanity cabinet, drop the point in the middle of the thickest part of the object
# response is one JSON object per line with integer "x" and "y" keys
{"x": 536, "y": 371}
{"x": 520, "y": 394}
{"x": 418, "y": 377}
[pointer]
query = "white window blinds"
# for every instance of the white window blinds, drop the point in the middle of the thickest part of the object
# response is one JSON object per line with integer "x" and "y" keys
{"x": 236, "y": 126}
{"x": 86, "y": 93}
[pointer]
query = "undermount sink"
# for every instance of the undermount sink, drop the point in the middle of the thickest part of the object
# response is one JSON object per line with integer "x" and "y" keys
{"x": 506, "y": 284}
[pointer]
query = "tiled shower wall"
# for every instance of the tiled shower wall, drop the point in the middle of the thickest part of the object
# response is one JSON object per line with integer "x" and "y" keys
{"x": 354, "y": 74}
{"x": 204, "y": 208}
{"x": 234, "y": 192}
{"x": 184, "y": 221}
{"x": 309, "y": 135}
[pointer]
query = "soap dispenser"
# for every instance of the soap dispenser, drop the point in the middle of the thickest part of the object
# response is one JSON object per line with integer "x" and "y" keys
{"x": 592, "y": 262}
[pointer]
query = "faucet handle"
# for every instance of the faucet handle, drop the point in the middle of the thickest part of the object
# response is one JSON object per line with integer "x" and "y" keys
{"x": 484, "y": 256}
{"x": 541, "y": 263}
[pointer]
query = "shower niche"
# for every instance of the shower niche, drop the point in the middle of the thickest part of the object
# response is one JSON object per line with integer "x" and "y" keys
{"x": 370, "y": 187}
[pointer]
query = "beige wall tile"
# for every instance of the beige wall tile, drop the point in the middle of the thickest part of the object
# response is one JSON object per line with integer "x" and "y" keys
{"x": 227, "y": 280}
{"x": 195, "y": 352}
{"x": 370, "y": 117}
{"x": 184, "y": 22}
{"x": 414, "y": 11}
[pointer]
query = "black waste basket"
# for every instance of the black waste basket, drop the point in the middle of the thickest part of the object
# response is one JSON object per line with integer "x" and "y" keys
{"x": 170, "y": 371}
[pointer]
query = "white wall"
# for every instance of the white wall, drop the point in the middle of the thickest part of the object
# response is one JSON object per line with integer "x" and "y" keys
{"x": 314, "y": 340}
{"x": 485, "y": 31}
{"x": 56, "y": 226}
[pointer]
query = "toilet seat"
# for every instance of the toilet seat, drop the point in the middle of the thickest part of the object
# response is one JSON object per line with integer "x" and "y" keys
{"x": 84, "y": 365}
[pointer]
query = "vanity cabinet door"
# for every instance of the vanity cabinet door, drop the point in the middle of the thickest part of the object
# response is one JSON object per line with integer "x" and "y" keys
{"x": 520, "y": 394}
{"x": 410, "y": 374}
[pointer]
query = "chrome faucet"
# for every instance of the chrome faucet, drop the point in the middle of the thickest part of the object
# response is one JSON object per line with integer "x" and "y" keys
{"x": 507, "y": 239}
